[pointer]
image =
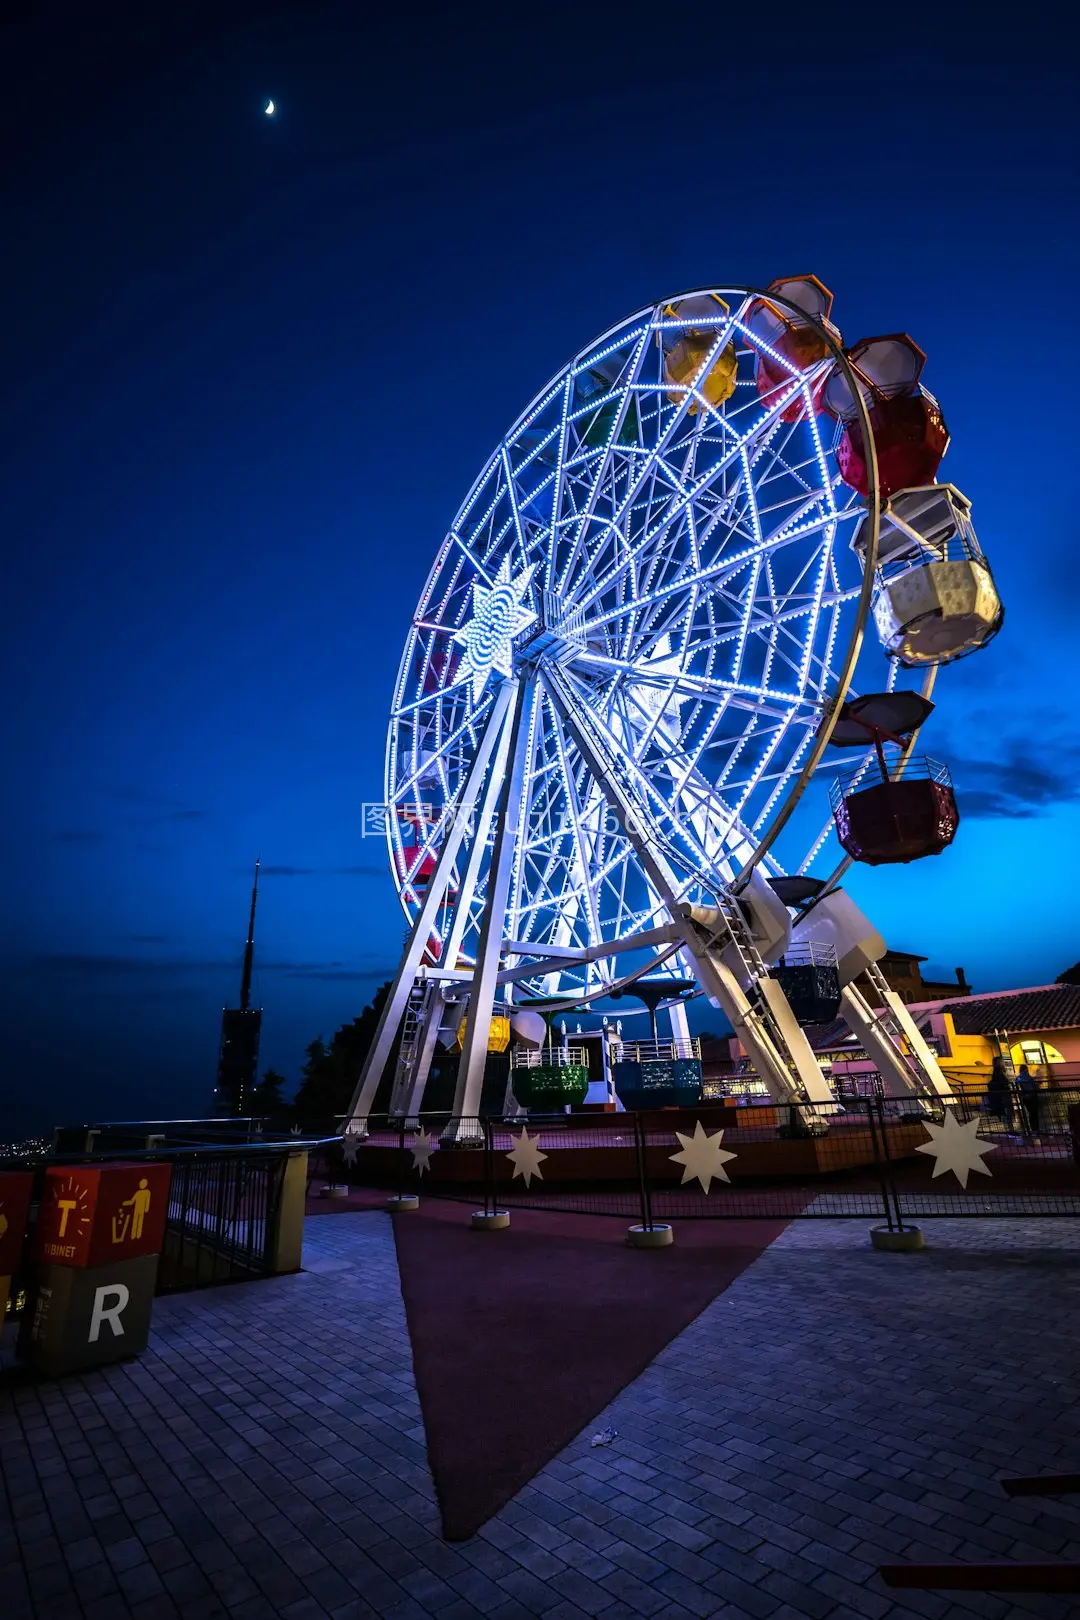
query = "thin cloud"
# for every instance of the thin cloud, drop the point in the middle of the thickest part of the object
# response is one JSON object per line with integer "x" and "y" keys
{"x": 344, "y": 975}
{"x": 321, "y": 871}
{"x": 91, "y": 965}
{"x": 86, "y": 964}
{"x": 1013, "y": 784}
{"x": 155, "y": 807}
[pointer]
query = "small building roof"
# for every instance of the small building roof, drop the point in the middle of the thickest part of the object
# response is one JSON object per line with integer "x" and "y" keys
{"x": 1043, "y": 1007}
{"x": 1050, "y": 1006}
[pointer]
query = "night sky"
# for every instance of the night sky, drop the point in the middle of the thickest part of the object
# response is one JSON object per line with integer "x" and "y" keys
{"x": 251, "y": 368}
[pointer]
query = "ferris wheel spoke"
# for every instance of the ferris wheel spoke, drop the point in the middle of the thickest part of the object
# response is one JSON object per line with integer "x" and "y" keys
{"x": 466, "y": 729}
{"x": 717, "y": 824}
{"x": 624, "y": 385}
{"x": 704, "y": 484}
{"x": 723, "y": 568}
{"x": 653, "y": 808}
{"x": 434, "y": 701}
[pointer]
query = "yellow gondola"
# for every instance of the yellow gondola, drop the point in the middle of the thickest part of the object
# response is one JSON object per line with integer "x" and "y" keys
{"x": 688, "y": 356}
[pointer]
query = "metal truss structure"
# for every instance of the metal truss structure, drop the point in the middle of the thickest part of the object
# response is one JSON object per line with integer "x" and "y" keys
{"x": 616, "y": 688}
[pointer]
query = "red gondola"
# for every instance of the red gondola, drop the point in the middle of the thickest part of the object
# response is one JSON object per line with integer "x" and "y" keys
{"x": 799, "y": 343}
{"x": 909, "y": 430}
{"x": 910, "y": 436}
{"x": 899, "y": 815}
{"x": 416, "y": 870}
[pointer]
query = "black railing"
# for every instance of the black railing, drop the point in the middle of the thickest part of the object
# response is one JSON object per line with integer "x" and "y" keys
{"x": 222, "y": 1221}
{"x": 882, "y": 1158}
{"x": 224, "y": 1205}
{"x": 131, "y": 1135}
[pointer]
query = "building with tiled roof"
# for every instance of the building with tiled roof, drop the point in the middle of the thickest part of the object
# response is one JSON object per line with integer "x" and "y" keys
{"x": 1038, "y": 1026}
{"x": 1048, "y": 1007}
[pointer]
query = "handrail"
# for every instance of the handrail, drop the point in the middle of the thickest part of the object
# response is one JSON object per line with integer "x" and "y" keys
{"x": 290, "y": 1144}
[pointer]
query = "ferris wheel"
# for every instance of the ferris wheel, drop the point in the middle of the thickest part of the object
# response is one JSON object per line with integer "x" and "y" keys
{"x": 646, "y": 623}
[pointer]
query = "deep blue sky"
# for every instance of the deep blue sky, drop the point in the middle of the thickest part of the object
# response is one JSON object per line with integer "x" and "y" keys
{"x": 251, "y": 368}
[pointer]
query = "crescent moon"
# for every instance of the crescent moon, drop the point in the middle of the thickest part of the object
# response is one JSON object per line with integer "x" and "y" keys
{"x": 269, "y": 109}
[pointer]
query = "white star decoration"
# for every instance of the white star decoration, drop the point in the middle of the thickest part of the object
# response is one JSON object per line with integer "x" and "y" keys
{"x": 421, "y": 1148}
{"x": 702, "y": 1156}
{"x": 956, "y": 1147}
{"x": 498, "y": 616}
{"x": 526, "y": 1157}
{"x": 349, "y": 1146}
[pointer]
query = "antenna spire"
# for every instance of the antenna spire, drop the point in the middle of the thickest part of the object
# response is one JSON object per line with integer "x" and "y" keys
{"x": 249, "y": 948}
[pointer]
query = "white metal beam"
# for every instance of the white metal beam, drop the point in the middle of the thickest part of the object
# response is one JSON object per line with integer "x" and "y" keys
{"x": 394, "y": 1007}
{"x": 482, "y": 995}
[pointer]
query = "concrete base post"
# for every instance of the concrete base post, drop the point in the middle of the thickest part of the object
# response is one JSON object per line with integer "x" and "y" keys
{"x": 650, "y": 1237}
{"x": 897, "y": 1240}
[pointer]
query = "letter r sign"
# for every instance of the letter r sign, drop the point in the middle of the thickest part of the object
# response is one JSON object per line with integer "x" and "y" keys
{"x": 109, "y": 1301}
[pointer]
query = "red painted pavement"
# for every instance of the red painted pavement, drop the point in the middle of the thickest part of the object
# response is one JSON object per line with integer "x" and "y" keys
{"x": 521, "y": 1338}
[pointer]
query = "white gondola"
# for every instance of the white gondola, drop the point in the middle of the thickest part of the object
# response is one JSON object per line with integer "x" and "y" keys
{"x": 934, "y": 597}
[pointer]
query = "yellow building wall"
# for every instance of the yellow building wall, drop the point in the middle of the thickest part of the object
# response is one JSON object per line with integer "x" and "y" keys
{"x": 970, "y": 1058}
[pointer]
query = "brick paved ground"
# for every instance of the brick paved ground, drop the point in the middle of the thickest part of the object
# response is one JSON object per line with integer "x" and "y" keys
{"x": 833, "y": 1409}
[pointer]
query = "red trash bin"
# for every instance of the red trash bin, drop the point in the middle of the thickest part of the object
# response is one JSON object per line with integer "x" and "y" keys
{"x": 99, "y": 1234}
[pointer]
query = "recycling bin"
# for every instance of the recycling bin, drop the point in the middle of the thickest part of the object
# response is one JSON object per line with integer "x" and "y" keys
{"x": 99, "y": 1234}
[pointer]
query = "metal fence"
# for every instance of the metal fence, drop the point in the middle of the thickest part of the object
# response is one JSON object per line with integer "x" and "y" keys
{"x": 222, "y": 1220}
{"x": 878, "y": 1158}
{"x": 225, "y": 1203}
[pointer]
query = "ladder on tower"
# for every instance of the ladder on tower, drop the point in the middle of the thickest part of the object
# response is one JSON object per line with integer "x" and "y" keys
{"x": 414, "y": 1024}
{"x": 892, "y": 1038}
{"x": 772, "y": 1012}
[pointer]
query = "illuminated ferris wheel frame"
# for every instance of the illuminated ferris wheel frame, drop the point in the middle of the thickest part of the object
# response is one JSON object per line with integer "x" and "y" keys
{"x": 570, "y": 660}
{"x": 500, "y": 547}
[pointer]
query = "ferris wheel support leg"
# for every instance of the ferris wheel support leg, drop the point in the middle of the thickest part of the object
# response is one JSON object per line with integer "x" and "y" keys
{"x": 680, "y": 1029}
{"x": 920, "y": 1071}
{"x": 917, "y": 1041}
{"x": 394, "y": 1008}
{"x": 814, "y": 1083}
{"x": 895, "y": 1068}
{"x": 718, "y": 982}
{"x": 463, "y": 1125}
{"x": 481, "y": 832}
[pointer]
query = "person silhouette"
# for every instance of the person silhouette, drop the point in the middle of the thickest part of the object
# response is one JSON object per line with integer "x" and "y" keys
{"x": 1028, "y": 1087}
{"x": 999, "y": 1095}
